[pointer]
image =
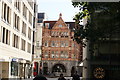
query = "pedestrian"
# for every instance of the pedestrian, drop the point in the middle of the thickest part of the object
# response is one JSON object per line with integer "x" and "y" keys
{"x": 61, "y": 77}
{"x": 40, "y": 77}
{"x": 76, "y": 76}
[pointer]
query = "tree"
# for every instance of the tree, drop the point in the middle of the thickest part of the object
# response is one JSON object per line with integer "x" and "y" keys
{"x": 103, "y": 26}
{"x": 103, "y": 20}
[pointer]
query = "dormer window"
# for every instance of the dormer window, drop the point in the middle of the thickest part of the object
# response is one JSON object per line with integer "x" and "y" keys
{"x": 68, "y": 25}
{"x": 47, "y": 25}
{"x": 59, "y": 25}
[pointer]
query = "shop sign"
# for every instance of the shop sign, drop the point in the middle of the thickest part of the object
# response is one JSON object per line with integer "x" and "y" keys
{"x": 14, "y": 59}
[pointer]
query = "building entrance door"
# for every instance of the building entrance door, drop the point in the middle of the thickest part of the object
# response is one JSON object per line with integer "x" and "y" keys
{"x": 58, "y": 69}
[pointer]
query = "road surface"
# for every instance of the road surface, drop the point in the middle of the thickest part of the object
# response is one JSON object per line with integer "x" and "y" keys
{"x": 67, "y": 78}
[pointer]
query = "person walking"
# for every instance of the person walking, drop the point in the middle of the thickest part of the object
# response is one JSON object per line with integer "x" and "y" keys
{"x": 61, "y": 77}
{"x": 76, "y": 76}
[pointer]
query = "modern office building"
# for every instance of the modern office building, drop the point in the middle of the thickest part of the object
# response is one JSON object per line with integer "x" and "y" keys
{"x": 60, "y": 54}
{"x": 104, "y": 62}
{"x": 16, "y": 37}
{"x": 101, "y": 58}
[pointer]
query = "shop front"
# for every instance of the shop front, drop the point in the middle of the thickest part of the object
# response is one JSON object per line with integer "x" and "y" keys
{"x": 12, "y": 68}
{"x": 25, "y": 69}
{"x": 21, "y": 68}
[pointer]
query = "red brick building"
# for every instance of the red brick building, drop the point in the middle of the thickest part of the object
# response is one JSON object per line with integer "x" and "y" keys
{"x": 60, "y": 54}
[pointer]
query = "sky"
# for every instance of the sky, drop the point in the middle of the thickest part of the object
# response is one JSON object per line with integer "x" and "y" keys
{"x": 52, "y": 9}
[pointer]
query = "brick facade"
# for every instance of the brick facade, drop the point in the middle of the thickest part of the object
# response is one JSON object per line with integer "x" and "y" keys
{"x": 59, "y": 52}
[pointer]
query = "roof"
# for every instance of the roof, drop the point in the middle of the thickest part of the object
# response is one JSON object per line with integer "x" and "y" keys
{"x": 60, "y": 20}
{"x": 52, "y": 23}
{"x": 72, "y": 24}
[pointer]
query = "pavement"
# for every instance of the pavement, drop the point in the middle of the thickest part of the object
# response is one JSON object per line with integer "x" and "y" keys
{"x": 67, "y": 78}
{"x": 47, "y": 79}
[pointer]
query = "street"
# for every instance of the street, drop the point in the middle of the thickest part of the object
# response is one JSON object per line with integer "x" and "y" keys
{"x": 67, "y": 78}
{"x": 52, "y": 78}
{"x": 57, "y": 78}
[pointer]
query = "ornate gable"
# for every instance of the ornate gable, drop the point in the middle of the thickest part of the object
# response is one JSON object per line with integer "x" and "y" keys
{"x": 60, "y": 23}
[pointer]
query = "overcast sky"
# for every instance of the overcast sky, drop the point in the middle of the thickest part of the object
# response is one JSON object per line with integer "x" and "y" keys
{"x": 53, "y": 8}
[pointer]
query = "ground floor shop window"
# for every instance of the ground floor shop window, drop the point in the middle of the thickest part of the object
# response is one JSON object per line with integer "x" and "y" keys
{"x": 14, "y": 68}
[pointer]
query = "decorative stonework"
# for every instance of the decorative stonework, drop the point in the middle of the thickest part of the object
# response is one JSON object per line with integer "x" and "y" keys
{"x": 99, "y": 73}
{"x": 58, "y": 47}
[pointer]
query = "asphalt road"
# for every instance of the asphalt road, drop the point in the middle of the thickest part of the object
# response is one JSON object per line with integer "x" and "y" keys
{"x": 67, "y": 78}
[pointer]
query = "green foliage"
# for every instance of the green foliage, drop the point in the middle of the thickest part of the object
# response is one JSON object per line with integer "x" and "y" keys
{"x": 103, "y": 20}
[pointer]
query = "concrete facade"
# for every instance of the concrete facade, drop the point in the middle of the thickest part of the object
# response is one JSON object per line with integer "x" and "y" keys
{"x": 38, "y": 43}
{"x": 16, "y": 38}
